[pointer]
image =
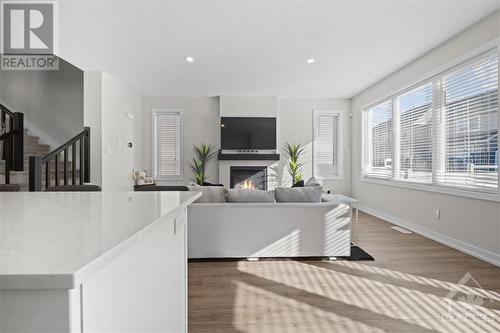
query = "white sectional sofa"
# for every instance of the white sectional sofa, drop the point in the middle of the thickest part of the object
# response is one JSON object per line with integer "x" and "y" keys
{"x": 242, "y": 230}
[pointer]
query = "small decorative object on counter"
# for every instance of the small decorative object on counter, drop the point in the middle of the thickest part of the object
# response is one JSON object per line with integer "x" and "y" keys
{"x": 139, "y": 177}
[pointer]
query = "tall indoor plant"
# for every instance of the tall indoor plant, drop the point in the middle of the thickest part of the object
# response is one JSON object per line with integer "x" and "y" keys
{"x": 294, "y": 165}
{"x": 203, "y": 154}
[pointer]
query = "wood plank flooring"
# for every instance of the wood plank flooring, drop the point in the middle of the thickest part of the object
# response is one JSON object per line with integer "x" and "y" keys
{"x": 412, "y": 286}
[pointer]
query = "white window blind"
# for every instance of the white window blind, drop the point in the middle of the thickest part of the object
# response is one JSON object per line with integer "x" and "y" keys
{"x": 471, "y": 126}
{"x": 443, "y": 132}
{"x": 414, "y": 127}
{"x": 326, "y": 144}
{"x": 167, "y": 159}
{"x": 378, "y": 141}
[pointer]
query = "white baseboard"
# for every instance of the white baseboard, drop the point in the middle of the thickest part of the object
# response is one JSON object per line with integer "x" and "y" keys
{"x": 470, "y": 249}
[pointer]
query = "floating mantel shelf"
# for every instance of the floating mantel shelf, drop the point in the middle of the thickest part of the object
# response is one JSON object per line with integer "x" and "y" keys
{"x": 249, "y": 157}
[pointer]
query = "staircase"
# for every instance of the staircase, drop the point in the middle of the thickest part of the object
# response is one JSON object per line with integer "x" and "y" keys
{"x": 32, "y": 146}
{"x": 32, "y": 165}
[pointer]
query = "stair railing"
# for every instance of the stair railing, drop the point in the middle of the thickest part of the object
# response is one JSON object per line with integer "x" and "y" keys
{"x": 36, "y": 163}
{"x": 12, "y": 140}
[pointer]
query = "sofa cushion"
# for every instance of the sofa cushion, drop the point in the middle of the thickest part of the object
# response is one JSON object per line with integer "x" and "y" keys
{"x": 247, "y": 195}
{"x": 210, "y": 194}
{"x": 298, "y": 194}
{"x": 312, "y": 182}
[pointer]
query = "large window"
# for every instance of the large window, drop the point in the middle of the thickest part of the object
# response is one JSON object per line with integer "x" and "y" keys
{"x": 442, "y": 132}
{"x": 167, "y": 144}
{"x": 378, "y": 143}
{"x": 327, "y": 144}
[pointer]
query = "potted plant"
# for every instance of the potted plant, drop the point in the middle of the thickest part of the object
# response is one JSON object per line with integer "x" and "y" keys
{"x": 294, "y": 165}
{"x": 203, "y": 154}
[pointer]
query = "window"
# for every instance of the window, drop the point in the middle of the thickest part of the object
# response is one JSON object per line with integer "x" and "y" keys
{"x": 414, "y": 127}
{"x": 378, "y": 142}
{"x": 327, "y": 144}
{"x": 471, "y": 126}
{"x": 443, "y": 132}
{"x": 167, "y": 144}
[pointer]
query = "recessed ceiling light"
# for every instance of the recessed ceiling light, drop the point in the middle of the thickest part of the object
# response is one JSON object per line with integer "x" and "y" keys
{"x": 189, "y": 59}
{"x": 310, "y": 61}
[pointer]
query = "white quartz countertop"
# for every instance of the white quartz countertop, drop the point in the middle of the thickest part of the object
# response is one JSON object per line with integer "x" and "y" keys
{"x": 56, "y": 240}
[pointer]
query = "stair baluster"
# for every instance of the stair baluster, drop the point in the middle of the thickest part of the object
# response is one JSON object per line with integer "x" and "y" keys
{"x": 36, "y": 163}
{"x": 12, "y": 139}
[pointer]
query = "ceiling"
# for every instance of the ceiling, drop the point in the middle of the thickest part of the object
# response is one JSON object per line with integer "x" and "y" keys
{"x": 257, "y": 47}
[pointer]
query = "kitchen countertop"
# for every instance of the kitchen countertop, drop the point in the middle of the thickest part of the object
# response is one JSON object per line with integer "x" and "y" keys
{"x": 57, "y": 240}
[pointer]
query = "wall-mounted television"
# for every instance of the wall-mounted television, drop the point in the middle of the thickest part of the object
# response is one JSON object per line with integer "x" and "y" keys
{"x": 248, "y": 133}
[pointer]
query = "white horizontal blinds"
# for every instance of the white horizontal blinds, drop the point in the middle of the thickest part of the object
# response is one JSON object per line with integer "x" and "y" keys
{"x": 414, "y": 110}
{"x": 168, "y": 144}
{"x": 379, "y": 141}
{"x": 471, "y": 126}
{"x": 325, "y": 144}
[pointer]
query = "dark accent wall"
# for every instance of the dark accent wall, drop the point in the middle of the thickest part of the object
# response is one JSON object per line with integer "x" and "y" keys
{"x": 50, "y": 100}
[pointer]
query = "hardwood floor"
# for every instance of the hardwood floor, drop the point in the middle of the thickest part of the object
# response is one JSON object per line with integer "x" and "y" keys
{"x": 412, "y": 286}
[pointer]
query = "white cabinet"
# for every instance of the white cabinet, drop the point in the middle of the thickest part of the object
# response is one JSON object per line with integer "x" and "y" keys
{"x": 143, "y": 290}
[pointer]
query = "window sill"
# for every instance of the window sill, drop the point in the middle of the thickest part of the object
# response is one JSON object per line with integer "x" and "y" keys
{"x": 433, "y": 188}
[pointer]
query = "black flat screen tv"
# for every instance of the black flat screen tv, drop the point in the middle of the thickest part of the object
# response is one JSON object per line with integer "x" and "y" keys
{"x": 248, "y": 133}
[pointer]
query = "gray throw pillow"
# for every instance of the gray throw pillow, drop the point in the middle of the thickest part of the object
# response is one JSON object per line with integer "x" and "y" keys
{"x": 247, "y": 195}
{"x": 210, "y": 194}
{"x": 311, "y": 182}
{"x": 298, "y": 194}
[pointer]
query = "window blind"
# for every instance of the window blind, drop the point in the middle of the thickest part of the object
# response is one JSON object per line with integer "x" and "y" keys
{"x": 168, "y": 144}
{"x": 326, "y": 144}
{"x": 414, "y": 127}
{"x": 470, "y": 96}
{"x": 443, "y": 132}
{"x": 378, "y": 141}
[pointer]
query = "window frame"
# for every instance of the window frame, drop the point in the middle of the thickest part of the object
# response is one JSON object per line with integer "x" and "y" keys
{"x": 340, "y": 157}
{"x": 460, "y": 62}
{"x": 155, "y": 113}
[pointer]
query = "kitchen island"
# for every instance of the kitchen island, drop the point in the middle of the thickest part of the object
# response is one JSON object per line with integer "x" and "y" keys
{"x": 93, "y": 261}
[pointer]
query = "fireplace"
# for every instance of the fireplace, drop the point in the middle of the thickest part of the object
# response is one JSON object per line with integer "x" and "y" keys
{"x": 254, "y": 177}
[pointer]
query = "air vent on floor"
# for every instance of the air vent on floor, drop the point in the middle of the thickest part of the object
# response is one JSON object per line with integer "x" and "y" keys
{"x": 402, "y": 230}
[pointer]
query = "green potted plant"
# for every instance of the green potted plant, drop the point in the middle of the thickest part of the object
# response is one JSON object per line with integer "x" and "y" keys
{"x": 294, "y": 165}
{"x": 203, "y": 154}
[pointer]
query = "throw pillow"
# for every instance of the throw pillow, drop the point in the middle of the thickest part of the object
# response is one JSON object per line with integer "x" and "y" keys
{"x": 298, "y": 194}
{"x": 247, "y": 195}
{"x": 210, "y": 194}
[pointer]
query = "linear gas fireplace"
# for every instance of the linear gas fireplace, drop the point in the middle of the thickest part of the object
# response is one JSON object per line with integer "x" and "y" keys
{"x": 253, "y": 177}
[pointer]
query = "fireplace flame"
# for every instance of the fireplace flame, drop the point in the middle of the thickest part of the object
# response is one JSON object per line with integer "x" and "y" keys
{"x": 248, "y": 184}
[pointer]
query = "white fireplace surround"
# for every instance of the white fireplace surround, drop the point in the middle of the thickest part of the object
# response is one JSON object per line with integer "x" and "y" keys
{"x": 272, "y": 171}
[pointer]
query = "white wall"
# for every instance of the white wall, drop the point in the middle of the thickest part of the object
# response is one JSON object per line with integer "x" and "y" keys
{"x": 107, "y": 102}
{"x": 248, "y": 106}
{"x": 201, "y": 121}
{"x": 295, "y": 117}
{"x": 469, "y": 224}
{"x": 200, "y": 124}
{"x": 92, "y": 117}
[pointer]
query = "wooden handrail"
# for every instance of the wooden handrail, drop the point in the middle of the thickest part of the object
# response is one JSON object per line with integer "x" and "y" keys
{"x": 70, "y": 142}
{"x": 4, "y": 109}
{"x": 36, "y": 163}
